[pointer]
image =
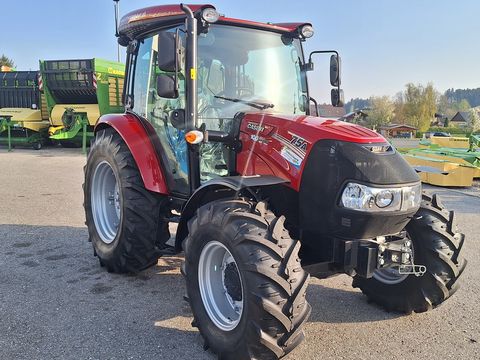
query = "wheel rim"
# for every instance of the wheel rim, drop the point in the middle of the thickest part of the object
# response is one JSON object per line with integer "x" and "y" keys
{"x": 220, "y": 286}
{"x": 391, "y": 276}
{"x": 106, "y": 202}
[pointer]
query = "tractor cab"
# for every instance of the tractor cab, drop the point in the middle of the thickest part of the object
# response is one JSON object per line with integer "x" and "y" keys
{"x": 207, "y": 81}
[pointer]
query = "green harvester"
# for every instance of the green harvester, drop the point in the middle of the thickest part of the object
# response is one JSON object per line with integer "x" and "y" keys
{"x": 23, "y": 115}
{"x": 77, "y": 93}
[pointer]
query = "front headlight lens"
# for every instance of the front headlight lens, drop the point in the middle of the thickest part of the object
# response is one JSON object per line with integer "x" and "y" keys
{"x": 366, "y": 198}
{"x": 384, "y": 198}
{"x": 307, "y": 31}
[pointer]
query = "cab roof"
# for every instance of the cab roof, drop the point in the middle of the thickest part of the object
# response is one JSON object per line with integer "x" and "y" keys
{"x": 139, "y": 22}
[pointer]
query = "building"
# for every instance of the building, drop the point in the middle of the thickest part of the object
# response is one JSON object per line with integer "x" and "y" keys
{"x": 398, "y": 131}
{"x": 462, "y": 118}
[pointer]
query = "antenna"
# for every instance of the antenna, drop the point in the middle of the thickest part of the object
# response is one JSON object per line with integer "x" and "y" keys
{"x": 116, "y": 8}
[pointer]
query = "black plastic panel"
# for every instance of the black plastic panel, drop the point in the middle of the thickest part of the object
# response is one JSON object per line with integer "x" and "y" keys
{"x": 330, "y": 165}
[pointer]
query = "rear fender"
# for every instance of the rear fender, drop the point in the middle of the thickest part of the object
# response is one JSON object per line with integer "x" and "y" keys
{"x": 133, "y": 132}
{"x": 219, "y": 189}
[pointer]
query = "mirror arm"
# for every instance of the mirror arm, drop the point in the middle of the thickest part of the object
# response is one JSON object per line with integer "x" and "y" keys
{"x": 316, "y": 105}
{"x": 309, "y": 66}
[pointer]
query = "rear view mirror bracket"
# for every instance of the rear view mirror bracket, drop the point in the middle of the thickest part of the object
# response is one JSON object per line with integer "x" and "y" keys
{"x": 337, "y": 96}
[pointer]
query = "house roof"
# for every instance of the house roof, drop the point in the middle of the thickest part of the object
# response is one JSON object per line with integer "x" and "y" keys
{"x": 461, "y": 116}
{"x": 397, "y": 126}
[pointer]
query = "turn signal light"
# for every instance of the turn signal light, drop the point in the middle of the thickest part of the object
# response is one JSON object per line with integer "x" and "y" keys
{"x": 194, "y": 137}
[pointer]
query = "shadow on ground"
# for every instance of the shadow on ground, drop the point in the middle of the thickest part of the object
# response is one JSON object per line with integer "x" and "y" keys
{"x": 50, "y": 272}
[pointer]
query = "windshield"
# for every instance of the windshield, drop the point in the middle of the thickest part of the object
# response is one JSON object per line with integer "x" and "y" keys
{"x": 243, "y": 69}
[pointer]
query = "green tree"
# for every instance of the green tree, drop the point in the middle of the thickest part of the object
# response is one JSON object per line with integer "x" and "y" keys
{"x": 474, "y": 120}
{"x": 5, "y": 61}
{"x": 420, "y": 105}
{"x": 449, "y": 107}
{"x": 382, "y": 111}
{"x": 399, "y": 112}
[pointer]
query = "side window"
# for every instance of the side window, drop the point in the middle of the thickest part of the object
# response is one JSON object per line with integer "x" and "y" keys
{"x": 156, "y": 110}
{"x": 216, "y": 78}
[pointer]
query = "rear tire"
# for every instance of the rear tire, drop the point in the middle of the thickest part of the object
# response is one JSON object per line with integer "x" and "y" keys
{"x": 127, "y": 239}
{"x": 273, "y": 283}
{"x": 37, "y": 145}
{"x": 437, "y": 244}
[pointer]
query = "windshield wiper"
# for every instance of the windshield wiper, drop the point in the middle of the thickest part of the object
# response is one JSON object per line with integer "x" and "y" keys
{"x": 256, "y": 105}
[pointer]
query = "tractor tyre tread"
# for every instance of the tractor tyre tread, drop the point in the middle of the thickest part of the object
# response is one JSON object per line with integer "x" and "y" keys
{"x": 276, "y": 283}
{"x": 438, "y": 245}
{"x": 143, "y": 227}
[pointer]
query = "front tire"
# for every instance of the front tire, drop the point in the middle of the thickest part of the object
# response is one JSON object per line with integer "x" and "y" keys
{"x": 126, "y": 223}
{"x": 239, "y": 253}
{"x": 437, "y": 244}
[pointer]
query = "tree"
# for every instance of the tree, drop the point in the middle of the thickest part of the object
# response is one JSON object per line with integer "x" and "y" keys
{"x": 399, "y": 112}
{"x": 420, "y": 105}
{"x": 5, "y": 61}
{"x": 474, "y": 120}
{"x": 448, "y": 107}
{"x": 382, "y": 111}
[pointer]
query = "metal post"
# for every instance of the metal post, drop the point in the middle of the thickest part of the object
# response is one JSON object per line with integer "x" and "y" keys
{"x": 191, "y": 96}
{"x": 84, "y": 136}
{"x": 117, "y": 10}
{"x": 9, "y": 137}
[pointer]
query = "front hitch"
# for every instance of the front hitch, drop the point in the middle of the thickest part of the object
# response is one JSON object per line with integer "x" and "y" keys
{"x": 364, "y": 257}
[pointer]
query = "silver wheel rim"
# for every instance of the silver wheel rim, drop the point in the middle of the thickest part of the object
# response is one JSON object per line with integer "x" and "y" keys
{"x": 222, "y": 298}
{"x": 106, "y": 202}
{"x": 391, "y": 276}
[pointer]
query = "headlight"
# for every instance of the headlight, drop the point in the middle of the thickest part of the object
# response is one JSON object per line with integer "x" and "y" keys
{"x": 366, "y": 198}
{"x": 210, "y": 15}
{"x": 307, "y": 31}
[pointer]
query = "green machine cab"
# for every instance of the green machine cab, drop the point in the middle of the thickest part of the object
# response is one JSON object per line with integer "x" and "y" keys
{"x": 23, "y": 115}
{"x": 77, "y": 93}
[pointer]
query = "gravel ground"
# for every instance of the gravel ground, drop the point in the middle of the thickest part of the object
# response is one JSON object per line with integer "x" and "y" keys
{"x": 56, "y": 302}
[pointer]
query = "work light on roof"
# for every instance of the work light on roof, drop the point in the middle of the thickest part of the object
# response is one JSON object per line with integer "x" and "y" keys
{"x": 210, "y": 15}
{"x": 307, "y": 31}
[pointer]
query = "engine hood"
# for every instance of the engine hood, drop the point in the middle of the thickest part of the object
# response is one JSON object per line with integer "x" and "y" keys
{"x": 310, "y": 128}
{"x": 284, "y": 142}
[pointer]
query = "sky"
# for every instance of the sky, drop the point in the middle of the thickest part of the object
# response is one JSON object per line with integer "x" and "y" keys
{"x": 384, "y": 44}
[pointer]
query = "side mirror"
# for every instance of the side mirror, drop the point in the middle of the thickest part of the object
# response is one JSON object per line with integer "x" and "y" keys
{"x": 337, "y": 97}
{"x": 177, "y": 119}
{"x": 167, "y": 56}
{"x": 167, "y": 86}
{"x": 335, "y": 64}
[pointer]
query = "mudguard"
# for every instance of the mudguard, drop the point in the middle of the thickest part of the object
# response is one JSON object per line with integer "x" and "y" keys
{"x": 138, "y": 140}
{"x": 217, "y": 189}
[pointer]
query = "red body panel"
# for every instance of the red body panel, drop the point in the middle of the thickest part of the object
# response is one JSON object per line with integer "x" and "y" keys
{"x": 159, "y": 11}
{"x": 279, "y": 144}
{"x": 140, "y": 145}
{"x": 170, "y": 12}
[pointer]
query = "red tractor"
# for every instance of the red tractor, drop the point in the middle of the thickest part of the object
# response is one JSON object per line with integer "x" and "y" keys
{"x": 217, "y": 135}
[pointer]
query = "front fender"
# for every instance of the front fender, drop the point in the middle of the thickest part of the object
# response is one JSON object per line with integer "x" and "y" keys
{"x": 216, "y": 189}
{"x": 133, "y": 132}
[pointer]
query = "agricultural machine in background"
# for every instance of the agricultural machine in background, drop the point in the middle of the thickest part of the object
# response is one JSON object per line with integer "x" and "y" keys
{"x": 23, "y": 116}
{"x": 77, "y": 93}
{"x": 449, "y": 161}
{"x": 217, "y": 128}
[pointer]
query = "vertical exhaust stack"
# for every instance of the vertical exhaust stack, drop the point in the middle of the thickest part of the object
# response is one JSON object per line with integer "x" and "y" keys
{"x": 116, "y": 9}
